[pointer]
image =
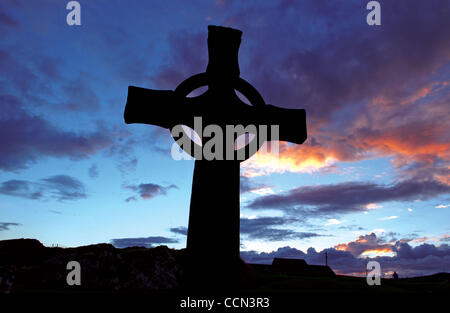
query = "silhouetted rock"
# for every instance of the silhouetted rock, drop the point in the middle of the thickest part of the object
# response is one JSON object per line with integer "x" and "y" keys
{"x": 30, "y": 266}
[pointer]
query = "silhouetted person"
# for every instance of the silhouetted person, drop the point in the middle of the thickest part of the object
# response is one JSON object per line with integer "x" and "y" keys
{"x": 395, "y": 276}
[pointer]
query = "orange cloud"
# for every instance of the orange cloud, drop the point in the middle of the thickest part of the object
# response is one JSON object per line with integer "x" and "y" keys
{"x": 366, "y": 246}
{"x": 378, "y": 252}
{"x": 418, "y": 142}
{"x": 304, "y": 159}
{"x": 399, "y": 127}
{"x": 431, "y": 239}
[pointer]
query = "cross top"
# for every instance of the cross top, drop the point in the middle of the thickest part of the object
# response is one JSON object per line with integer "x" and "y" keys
{"x": 219, "y": 105}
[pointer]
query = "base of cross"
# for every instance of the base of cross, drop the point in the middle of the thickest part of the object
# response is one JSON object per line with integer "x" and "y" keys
{"x": 212, "y": 278}
{"x": 212, "y": 251}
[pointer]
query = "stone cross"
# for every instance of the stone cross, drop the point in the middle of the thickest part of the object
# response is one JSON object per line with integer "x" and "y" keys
{"x": 212, "y": 250}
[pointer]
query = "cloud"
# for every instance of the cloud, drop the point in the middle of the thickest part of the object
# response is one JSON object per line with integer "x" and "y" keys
{"x": 347, "y": 197}
{"x": 342, "y": 73}
{"x": 379, "y": 231}
{"x": 79, "y": 96}
{"x": 186, "y": 49}
{"x": 59, "y": 187}
{"x": 373, "y": 206}
{"x": 267, "y": 257}
{"x": 27, "y": 98}
{"x": 124, "y": 151}
{"x": 8, "y": 21}
{"x": 5, "y": 226}
{"x": 93, "y": 171}
{"x": 147, "y": 242}
{"x": 268, "y": 229}
{"x": 351, "y": 227}
{"x": 442, "y": 206}
{"x": 65, "y": 187}
{"x": 180, "y": 230}
{"x": 148, "y": 191}
{"x": 416, "y": 239}
{"x": 343, "y": 78}
{"x": 406, "y": 260}
{"x": 393, "y": 217}
{"x": 20, "y": 188}
{"x": 290, "y": 158}
{"x": 247, "y": 185}
{"x": 264, "y": 228}
{"x": 25, "y": 138}
{"x": 365, "y": 244}
{"x": 333, "y": 221}
{"x": 406, "y": 252}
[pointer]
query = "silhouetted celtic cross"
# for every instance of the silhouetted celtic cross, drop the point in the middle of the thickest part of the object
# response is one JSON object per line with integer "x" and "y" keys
{"x": 213, "y": 232}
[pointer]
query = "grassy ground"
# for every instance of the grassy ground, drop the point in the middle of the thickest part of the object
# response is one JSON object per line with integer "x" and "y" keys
{"x": 278, "y": 284}
{"x": 284, "y": 293}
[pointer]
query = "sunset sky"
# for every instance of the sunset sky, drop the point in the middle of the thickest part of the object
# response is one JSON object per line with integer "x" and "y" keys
{"x": 371, "y": 181}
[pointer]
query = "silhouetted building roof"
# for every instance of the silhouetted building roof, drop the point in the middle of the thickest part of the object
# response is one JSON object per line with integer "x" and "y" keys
{"x": 289, "y": 264}
{"x": 295, "y": 267}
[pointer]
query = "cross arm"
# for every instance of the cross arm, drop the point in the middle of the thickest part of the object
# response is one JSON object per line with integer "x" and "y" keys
{"x": 155, "y": 107}
{"x": 291, "y": 122}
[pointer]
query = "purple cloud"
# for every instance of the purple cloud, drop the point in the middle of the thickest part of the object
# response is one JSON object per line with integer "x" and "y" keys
{"x": 405, "y": 251}
{"x": 59, "y": 187}
{"x": 418, "y": 263}
{"x": 148, "y": 191}
{"x": 348, "y": 197}
{"x": 146, "y": 242}
{"x": 189, "y": 56}
{"x": 268, "y": 229}
{"x": 25, "y": 138}
{"x": 247, "y": 185}
{"x": 180, "y": 230}
{"x": 20, "y": 188}
{"x": 123, "y": 150}
{"x": 5, "y": 226}
{"x": 365, "y": 243}
{"x": 65, "y": 187}
{"x": 93, "y": 171}
{"x": 342, "y": 74}
{"x": 79, "y": 96}
{"x": 7, "y": 21}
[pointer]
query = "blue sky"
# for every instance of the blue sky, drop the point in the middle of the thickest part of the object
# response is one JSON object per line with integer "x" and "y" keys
{"x": 376, "y": 99}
